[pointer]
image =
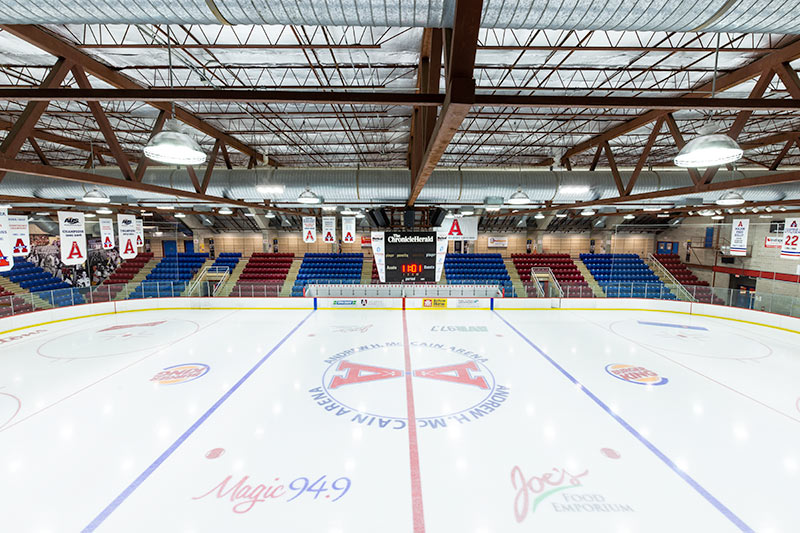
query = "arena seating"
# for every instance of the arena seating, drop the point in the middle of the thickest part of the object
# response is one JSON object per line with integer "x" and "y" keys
{"x": 124, "y": 273}
{"x": 227, "y": 259}
{"x": 477, "y": 269}
{"x": 11, "y": 303}
{"x": 328, "y": 268}
{"x": 35, "y": 279}
{"x": 170, "y": 276}
{"x": 566, "y": 273}
{"x": 699, "y": 289}
{"x": 263, "y": 275}
{"x": 625, "y": 276}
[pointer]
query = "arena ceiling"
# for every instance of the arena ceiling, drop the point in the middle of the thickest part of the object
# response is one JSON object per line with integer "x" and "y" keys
{"x": 78, "y": 102}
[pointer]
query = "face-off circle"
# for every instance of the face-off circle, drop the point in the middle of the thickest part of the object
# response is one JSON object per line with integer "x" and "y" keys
{"x": 123, "y": 338}
{"x": 9, "y": 408}
{"x": 373, "y": 382}
{"x": 680, "y": 337}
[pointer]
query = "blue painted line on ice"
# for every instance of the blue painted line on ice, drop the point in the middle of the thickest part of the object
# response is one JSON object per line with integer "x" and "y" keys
{"x": 738, "y": 522}
{"x": 491, "y": 304}
{"x": 169, "y": 451}
{"x": 668, "y": 325}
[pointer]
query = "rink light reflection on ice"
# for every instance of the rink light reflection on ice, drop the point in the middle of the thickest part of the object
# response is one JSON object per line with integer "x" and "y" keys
{"x": 444, "y": 420}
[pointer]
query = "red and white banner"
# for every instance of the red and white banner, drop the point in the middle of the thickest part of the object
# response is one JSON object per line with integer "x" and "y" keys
{"x": 497, "y": 242}
{"x": 366, "y": 242}
{"x": 349, "y": 229}
{"x": 126, "y": 226}
{"x": 773, "y": 242}
{"x": 379, "y": 254}
{"x": 139, "y": 233}
{"x": 107, "y": 233}
{"x": 739, "y": 236}
{"x": 328, "y": 229}
{"x": 6, "y": 257}
{"x": 791, "y": 239}
{"x": 72, "y": 230}
{"x": 460, "y": 229}
{"x": 20, "y": 235}
{"x": 309, "y": 229}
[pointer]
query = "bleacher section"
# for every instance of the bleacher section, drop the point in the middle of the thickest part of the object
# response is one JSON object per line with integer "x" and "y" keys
{"x": 35, "y": 279}
{"x": 699, "y": 289}
{"x": 625, "y": 276}
{"x": 227, "y": 259}
{"x": 328, "y": 268}
{"x": 478, "y": 269}
{"x": 263, "y": 275}
{"x": 170, "y": 276}
{"x": 566, "y": 273}
{"x": 11, "y": 303}
{"x": 124, "y": 273}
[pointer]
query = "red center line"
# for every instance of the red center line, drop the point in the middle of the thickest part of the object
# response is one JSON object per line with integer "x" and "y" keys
{"x": 413, "y": 445}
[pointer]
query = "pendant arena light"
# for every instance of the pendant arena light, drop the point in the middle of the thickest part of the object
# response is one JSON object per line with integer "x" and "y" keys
{"x": 172, "y": 145}
{"x": 519, "y": 198}
{"x": 96, "y": 196}
{"x": 308, "y": 197}
{"x": 709, "y": 148}
{"x": 731, "y": 198}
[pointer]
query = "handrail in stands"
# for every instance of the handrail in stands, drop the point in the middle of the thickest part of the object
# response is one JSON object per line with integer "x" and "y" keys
{"x": 672, "y": 279}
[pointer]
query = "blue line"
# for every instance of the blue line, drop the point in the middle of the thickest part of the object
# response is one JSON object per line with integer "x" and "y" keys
{"x": 668, "y": 325}
{"x": 658, "y": 453}
{"x": 169, "y": 451}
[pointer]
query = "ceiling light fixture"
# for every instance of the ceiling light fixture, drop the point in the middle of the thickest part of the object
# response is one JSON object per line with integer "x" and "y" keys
{"x": 629, "y": 216}
{"x": 172, "y": 145}
{"x": 574, "y": 189}
{"x": 561, "y": 215}
{"x": 158, "y": 233}
{"x": 43, "y": 213}
{"x": 730, "y": 198}
{"x": 225, "y": 211}
{"x": 588, "y": 212}
{"x": 706, "y": 212}
{"x": 652, "y": 208}
{"x": 104, "y": 211}
{"x": 348, "y": 211}
{"x": 709, "y": 148}
{"x": 269, "y": 214}
{"x": 538, "y": 216}
{"x": 519, "y": 198}
{"x": 89, "y": 215}
{"x": 764, "y": 216}
{"x": 718, "y": 217}
{"x": 270, "y": 189}
{"x": 663, "y": 215}
{"x": 166, "y": 207}
{"x": 96, "y": 196}
{"x": 360, "y": 214}
{"x": 467, "y": 210}
{"x": 179, "y": 215}
{"x": 308, "y": 197}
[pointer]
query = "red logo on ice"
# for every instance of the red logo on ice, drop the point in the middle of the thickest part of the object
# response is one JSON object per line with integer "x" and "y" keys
{"x": 464, "y": 374}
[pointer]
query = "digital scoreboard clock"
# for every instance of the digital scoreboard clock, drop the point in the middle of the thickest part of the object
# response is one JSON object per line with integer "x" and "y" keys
{"x": 410, "y": 256}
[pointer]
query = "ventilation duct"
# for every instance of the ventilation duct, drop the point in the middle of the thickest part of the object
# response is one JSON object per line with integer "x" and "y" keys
{"x": 745, "y": 16}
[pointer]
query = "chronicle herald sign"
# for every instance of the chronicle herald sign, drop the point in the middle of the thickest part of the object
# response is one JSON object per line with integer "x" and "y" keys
{"x": 356, "y": 383}
{"x": 73, "y": 237}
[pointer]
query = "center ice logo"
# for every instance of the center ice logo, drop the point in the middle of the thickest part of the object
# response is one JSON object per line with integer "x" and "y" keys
{"x": 635, "y": 374}
{"x": 367, "y": 385}
{"x": 180, "y": 373}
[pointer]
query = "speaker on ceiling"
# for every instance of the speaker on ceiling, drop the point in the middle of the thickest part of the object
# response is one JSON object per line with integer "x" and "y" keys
{"x": 409, "y": 215}
{"x": 377, "y": 218}
{"x": 437, "y": 216}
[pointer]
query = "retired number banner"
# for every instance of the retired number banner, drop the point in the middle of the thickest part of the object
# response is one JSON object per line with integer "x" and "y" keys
{"x": 791, "y": 239}
{"x": 126, "y": 225}
{"x": 107, "y": 233}
{"x": 739, "y": 236}
{"x": 328, "y": 229}
{"x": 139, "y": 233}
{"x": 6, "y": 257}
{"x": 349, "y": 229}
{"x": 20, "y": 235}
{"x": 309, "y": 229}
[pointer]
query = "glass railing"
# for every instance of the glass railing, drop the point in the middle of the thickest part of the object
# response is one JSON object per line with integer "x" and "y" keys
{"x": 35, "y": 301}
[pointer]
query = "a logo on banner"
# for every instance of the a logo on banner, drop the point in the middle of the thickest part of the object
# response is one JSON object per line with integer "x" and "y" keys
{"x": 19, "y": 235}
{"x": 73, "y": 238}
{"x": 359, "y": 377}
{"x": 349, "y": 229}
{"x": 791, "y": 239}
{"x": 460, "y": 229}
{"x": 6, "y": 259}
{"x": 635, "y": 374}
{"x": 739, "y": 236}
{"x": 309, "y": 229}
{"x": 139, "y": 233}
{"x": 126, "y": 225}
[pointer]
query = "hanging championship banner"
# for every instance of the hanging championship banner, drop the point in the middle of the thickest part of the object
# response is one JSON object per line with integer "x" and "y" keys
{"x": 349, "y": 229}
{"x": 126, "y": 225}
{"x": 72, "y": 231}
{"x": 139, "y": 233}
{"x": 107, "y": 233}
{"x": 20, "y": 236}
{"x": 441, "y": 253}
{"x": 791, "y": 239}
{"x": 309, "y": 229}
{"x": 460, "y": 229}
{"x": 328, "y": 229}
{"x": 739, "y": 236}
{"x": 379, "y": 254}
{"x": 6, "y": 257}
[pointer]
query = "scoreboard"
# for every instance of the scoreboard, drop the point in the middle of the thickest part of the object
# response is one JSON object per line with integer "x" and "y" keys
{"x": 410, "y": 256}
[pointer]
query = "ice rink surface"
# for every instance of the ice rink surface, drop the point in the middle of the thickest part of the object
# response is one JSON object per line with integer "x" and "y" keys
{"x": 392, "y": 421}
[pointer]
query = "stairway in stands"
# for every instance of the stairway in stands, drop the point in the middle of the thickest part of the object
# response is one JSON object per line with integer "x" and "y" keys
{"x": 114, "y": 284}
{"x": 626, "y": 276}
{"x": 699, "y": 290}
